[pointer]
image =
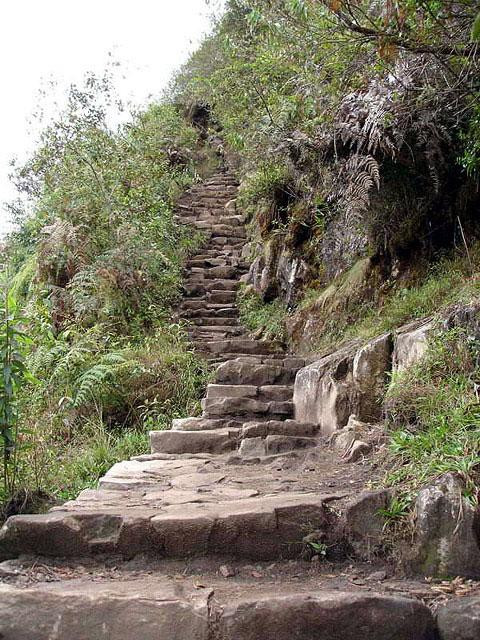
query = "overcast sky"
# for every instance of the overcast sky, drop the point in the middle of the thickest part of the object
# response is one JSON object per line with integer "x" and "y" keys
{"x": 42, "y": 40}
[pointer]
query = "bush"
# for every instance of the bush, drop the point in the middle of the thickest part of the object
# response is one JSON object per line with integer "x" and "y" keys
{"x": 98, "y": 262}
{"x": 434, "y": 416}
{"x": 267, "y": 319}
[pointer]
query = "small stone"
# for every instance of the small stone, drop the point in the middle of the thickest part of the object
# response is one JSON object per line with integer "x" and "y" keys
{"x": 256, "y": 574}
{"x": 359, "y": 450}
{"x": 9, "y": 568}
{"x": 378, "y": 576}
{"x": 226, "y": 571}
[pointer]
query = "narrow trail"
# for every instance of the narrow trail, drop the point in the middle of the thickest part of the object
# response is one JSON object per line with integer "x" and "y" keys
{"x": 164, "y": 547}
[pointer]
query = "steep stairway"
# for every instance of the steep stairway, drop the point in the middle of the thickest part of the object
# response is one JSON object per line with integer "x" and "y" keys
{"x": 249, "y": 406}
{"x": 163, "y": 547}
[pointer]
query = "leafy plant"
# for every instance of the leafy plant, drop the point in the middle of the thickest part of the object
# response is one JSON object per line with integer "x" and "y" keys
{"x": 267, "y": 318}
{"x": 14, "y": 374}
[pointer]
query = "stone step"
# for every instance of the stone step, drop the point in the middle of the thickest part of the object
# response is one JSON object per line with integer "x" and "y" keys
{"x": 233, "y": 330}
{"x": 156, "y": 507}
{"x": 239, "y": 372}
{"x": 221, "y": 273}
{"x": 155, "y": 607}
{"x": 206, "y": 321}
{"x": 278, "y": 428}
{"x": 179, "y": 442}
{"x": 200, "y": 289}
{"x": 205, "y": 424}
{"x": 209, "y": 333}
{"x": 209, "y": 284}
{"x": 228, "y": 241}
{"x": 218, "y": 407}
{"x": 272, "y": 445}
{"x": 244, "y": 346}
{"x": 278, "y": 393}
{"x": 204, "y": 304}
{"x": 191, "y": 314}
{"x": 219, "y": 359}
{"x": 221, "y": 297}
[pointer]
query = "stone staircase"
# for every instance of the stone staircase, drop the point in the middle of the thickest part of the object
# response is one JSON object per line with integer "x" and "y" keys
{"x": 249, "y": 407}
{"x": 163, "y": 548}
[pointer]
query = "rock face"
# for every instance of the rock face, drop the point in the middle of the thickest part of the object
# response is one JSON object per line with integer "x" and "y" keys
{"x": 277, "y": 271}
{"x": 349, "y": 381}
{"x": 447, "y": 531}
{"x": 460, "y": 619}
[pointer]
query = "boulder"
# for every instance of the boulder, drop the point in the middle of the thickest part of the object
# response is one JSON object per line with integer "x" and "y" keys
{"x": 460, "y": 619}
{"x": 371, "y": 365}
{"x": 411, "y": 342}
{"x": 348, "y": 381}
{"x": 447, "y": 531}
{"x": 363, "y": 523}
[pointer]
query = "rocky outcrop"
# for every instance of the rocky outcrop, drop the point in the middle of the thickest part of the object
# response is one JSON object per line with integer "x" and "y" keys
{"x": 360, "y": 284}
{"x": 447, "y": 530}
{"x": 411, "y": 342}
{"x": 277, "y": 271}
{"x": 349, "y": 381}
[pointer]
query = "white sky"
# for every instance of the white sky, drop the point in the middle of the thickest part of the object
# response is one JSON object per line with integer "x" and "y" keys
{"x": 62, "y": 39}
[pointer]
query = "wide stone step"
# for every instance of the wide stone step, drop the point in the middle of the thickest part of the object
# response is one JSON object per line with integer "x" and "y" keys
{"x": 137, "y": 515}
{"x": 220, "y": 230}
{"x": 228, "y": 241}
{"x": 219, "y": 359}
{"x": 204, "y": 304}
{"x": 215, "y": 330}
{"x": 192, "y": 285}
{"x": 156, "y": 607}
{"x": 205, "y": 424}
{"x": 221, "y": 297}
{"x": 209, "y": 333}
{"x": 191, "y": 314}
{"x": 221, "y": 273}
{"x": 290, "y": 428}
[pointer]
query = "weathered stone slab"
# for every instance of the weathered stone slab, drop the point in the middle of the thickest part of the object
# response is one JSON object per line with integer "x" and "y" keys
{"x": 149, "y": 610}
{"x": 460, "y": 619}
{"x": 217, "y": 441}
{"x": 327, "y": 616}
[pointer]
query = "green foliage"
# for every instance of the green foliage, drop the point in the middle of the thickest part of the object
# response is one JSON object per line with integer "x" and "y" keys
{"x": 470, "y": 159}
{"x": 14, "y": 376}
{"x": 97, "y": 262}
{"x": 258, "y": 316}
{"x": 448, "y": 281}
{"x": 435, "y": 417}
{"x": 476, "y": 29}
